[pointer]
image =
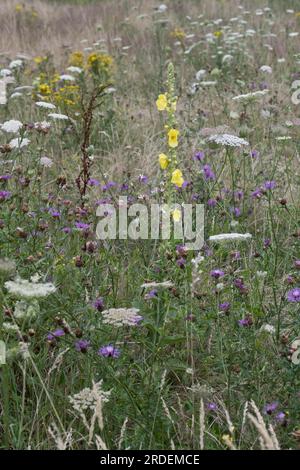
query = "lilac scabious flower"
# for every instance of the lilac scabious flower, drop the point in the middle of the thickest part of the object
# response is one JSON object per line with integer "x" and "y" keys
{"x": 109, "y": 351}
{"x": 294, "y": 295}
{"x": 199, "y": 156}
{"x": 82, "y": 345}
{"x": 98, "y": 304}
{"x": 208, "y": 173}
{"x": 217, "y": 273}
{"x": 269, "y": 408}
{"x": 55, "y": 334}
{"x": 269, "y": 185}
{"x": 4, "y": 195}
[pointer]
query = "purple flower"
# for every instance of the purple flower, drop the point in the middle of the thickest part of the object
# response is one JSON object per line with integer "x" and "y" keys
{"x": 247, "y": 321}
{"x": 109, "y": 351}
{"x": 294, "y": 295}
{"x": 236, "y": 211}
{"x": 181, "y": 262}
{"x": 199, "y": 156}
{"x": 151, "y": 294}
{"x": 211, "y": 202}
{"x": 267, "y": 242}
{"x": 93, "y": 182}
{"x": 217, "y": 273}
{"x": 269, "y": 408}
{"x": 211, "y": 406}
{"x": 108, "y": 185}
{"x": 55, "y": 334}
{"x": 4, "y": 195}
{"x": 224, "y": 307}
{"x": 270, "y": 184}
{"x": 5, "y": 177}
{"x": 54, "y": 212}
{"x": 254, "y": 154}
{"x": 67, "y": 230}
{"x": 82, "y": 226}
{"x": 256, "y": 194}
{"x": 280, "y": 417}
{"x": 82, "y": 345}
{"x": 143, "y": 179}
{"x": 208, "y": 173}
{"x": 98, "y": 304}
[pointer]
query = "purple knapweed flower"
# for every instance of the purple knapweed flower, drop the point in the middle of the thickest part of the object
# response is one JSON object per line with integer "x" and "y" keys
{"x": 4, "y": 195}
{"x": 294, "y": 295}
{"x": 93, "y": 182}
{"x": 224, "y": 307}
{"x": 199, "y": 156}
{"x": 269, "y": 185}
{"x": 269, "y": 408}
{"x": 217, "y": 273}
{"x": 109, "y": 351}
{"x": 98, "y": 304}
{"x": 55, "y": 334}
{"x": 208, "y": 173}
{"x": 82, "y": 345}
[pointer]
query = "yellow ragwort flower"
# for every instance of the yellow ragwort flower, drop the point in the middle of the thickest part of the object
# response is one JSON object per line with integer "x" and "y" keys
{"x": 163, "y": 161}
{"x": 161, "y": 102}
{"x": 173, "y": 137}
{"x": 44, "y": 89}
{"x": 218, "y": 34}
{"x": 177, "y": 178}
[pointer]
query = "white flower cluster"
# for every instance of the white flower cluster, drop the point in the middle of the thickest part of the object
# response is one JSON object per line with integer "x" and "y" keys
{"x": 224, "y": 237}
{"x": 29, "y": 290}
{"x": 228, "y": 140}
{"x": 121, "y": 316}
{"x": 250, "y": 96}
{"x": 12, "y": 126}
{"x": 88, "y": 398}
{"x": 150, "y": 285}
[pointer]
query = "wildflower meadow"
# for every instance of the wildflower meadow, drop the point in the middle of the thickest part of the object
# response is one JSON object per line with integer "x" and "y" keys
{"x": 150, "y": 225}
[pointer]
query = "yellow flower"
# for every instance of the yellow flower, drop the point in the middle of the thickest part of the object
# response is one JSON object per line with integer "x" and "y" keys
{"x": 178, "y": 34}
{"x": 173, "y": 137}
{"x": 163, "y": 161}
{"x": 76, "y": 59}
{"x": 176, "y": 214}
{"x": 297, "y": 14}
{"x": 161, "y": 102}
{"x": 44, "y": 89}
{"x": 18, "y": 7}
{"x": 38, "y": 60}
{"x": 177, "y": 178}
{"x": 218, "y": 34}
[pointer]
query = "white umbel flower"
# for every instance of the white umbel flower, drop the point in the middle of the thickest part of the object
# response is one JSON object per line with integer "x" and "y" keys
{"x": 228, "y": 140}
{"x": 224, "y": 237}
{"x": 268, "y": 328}
{"x": 266, "y": 69}
{"x": 67, "y": 78}
{"x": 44, "y": 104}
{"x": 150, "y": 285}
{"x": 16, "y": 64}
{"x": 12, "y": 126}
{"x": 88, "y": 398}
{"x": 29, "y": 290}
{"x": 57, "y": 116}
{"x": 121, "y": 316}
{"x": 74, "y": 69}
{"x": 19, "y": 143}
{"x": 250, "y": 96}
{"x": 46, "y": 162}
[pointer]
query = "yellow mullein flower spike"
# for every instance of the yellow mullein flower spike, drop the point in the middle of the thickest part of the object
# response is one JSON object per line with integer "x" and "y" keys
{"x": 177, "y": 178}
{"x": 163, "y": 161}
{"x": 161, "y": 102}
{"x": 176, "y": 214}
{"x": 173, "y": 138}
